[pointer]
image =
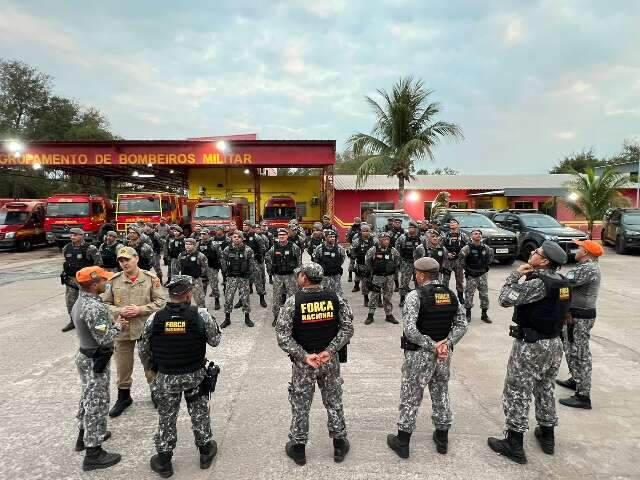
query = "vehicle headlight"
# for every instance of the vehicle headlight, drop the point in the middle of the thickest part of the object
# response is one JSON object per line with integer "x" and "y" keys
{"x": 631, "y": 233}
{"x": 10, "y": 235}
{"x": 551, "y": 237}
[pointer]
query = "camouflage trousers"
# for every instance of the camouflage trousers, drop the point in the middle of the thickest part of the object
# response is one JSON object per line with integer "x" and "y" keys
{"x": 406, "y": 275}
{"x": 352, "y": 264}
{"x": 174, "y": 267}
{"x": 453, "y": 266}
{"x": 241, "y": 285}
{"x": 532, "y": 369}
{"x": 386, "y": 286}
{"x": 283, "y": 285}
{"x": 71, "y": 294}
{"x": 333, "y": 283}
{"x": 257, "y": 277}
{"x": 211, "y": 279}
{"x": 94, "y": 401}
{"x": 421, "y": 369}
{"x": 169, "y": 389}
{"x": 301, "y": 390}
{"x": 198, "y": 292}
{"x": 156, "y": 265}
{"x": 578, "y": 353}
{"x": 363, "y": 278}
{"x": 476, "y": 283}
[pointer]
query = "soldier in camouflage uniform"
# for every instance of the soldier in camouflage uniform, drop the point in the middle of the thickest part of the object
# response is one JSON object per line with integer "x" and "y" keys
{"x": 382, "y": 263}
{"x": 330, "y": 256}
{"x": 173, "y": 346}
{"x": 107, "y": 252}
{"x": 237, "y": 265}
{"x": 145, "y": 251}
{"x": 174, "y": 247}
{"x": 194, "y": 263}
{"x": 541, "y": 304}
{"x": 258, "y": 244}
{"x": 95, "y": 333}
{"x": 313, "y": 326}
{"x": 396, "y": 232}
{"x": 585, "y": 280}
{"x": 157, "y": 245}
{"x": 453, "y": 241}
{"x": 353, "y": 232}
{"x": 222, "y": 241}
{"x": 297, "y": 235}
{"x": 197, "y": 228}
{"x": 359, "y": 248}
{"x": 77, "y": 254}
{"x": 282, "y": 260}
{"x": 316, "y": 239}
{"x": 434, "y": 322}
{"x": 211, "y": 249}
{"x": 406, "y": 246}
{"x": 477, "y": 259}
{"x": 432, "y": 248}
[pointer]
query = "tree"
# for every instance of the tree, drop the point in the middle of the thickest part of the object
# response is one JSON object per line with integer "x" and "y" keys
{"x": 577, "y": 162}
{"x": 438, "y": 171}
{"x": 347, "y": 163}
{"x": 405, "y": 132}
{"x": 595, "y": 194}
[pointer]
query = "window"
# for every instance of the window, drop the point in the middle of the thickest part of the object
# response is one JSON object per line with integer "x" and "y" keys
{"x": 139, "y": 205}
{"x": 97, "y": 208}
{"x": 500, "y": 218}
{"x": 484, "y": 203}
{"x": 458, "y": 205}
{"x": 168, "y": 206}
{"x": 71, "y": 209}
{"x": 301, "y": 208}
{"x": 367, "y": 207}
{"x": 523, "y": 205}
{"x": 428, "y": 207}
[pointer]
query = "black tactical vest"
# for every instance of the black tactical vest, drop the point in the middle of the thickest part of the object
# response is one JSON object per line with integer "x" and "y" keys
{"x": 237, "y": 263}
{"x": 297, "y": 240}
{"x": 353, "y": 231}
{"x": 284, "y": 260}
{"x": 362, "y": 249}
{"x": 223, "y": 242}
{"x": 254, "y": 244}
{"x": 477, "y": 262}
{"x": 395, "y": 235}
{"x": 157, "y": 247}
{"x": 143, "y": 262}
{"x": 209, "y": 250}
{"x": 189, "y": 265}
{"x": 546, "y": 316}
{"x": 175, "y": 247}
{"x": 178, "y": 340}
{"x": 453, "y": 242}
{"x": 410, "y": 245}
{"x": 330, "y": 260}
{"x": 313, "y": 243}
{"x": 438, "y": 310}
{"x": 383, "y": 262}
{"x": 436, "y": 253}
{"x": 75, "y": 258}
{"x": 109, "y": 255}
{"x": 315, "y": 319}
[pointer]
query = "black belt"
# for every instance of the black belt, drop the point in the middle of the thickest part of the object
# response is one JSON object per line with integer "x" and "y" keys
{"x": 529, "y": 335}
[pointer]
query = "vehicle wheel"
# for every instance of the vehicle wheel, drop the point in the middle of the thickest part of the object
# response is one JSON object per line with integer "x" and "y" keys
{"x": 620, "y": 246}
{"x": 507, "y": 261}
{"x": 525, "y": 251}
{"x": 24, "y": 245}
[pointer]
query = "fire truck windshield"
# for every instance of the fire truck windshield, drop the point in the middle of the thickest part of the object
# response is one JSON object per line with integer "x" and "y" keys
{"x": 13, "y": 218}
{"x": 70, "y": 209}
{"x": 139, "y": 205}
{"x": 272, "y": 213}
{"x": 213, "y": 212}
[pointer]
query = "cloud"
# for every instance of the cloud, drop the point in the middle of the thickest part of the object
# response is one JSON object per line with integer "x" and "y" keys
{"x": 514, "y": 32}
{"x": 325, "y": 8}
{"x": 565, "y": 135}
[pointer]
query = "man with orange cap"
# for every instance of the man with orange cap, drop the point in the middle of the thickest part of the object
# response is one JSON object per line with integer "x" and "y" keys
{"x": 585, "y": 280}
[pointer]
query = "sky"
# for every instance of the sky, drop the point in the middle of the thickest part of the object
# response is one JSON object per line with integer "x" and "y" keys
{"x": 528, "y": 81}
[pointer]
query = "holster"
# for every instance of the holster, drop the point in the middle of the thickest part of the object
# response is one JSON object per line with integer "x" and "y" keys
{"x": 63, "y": 278}
{"x": 528, "y": 335}
{"x": 166, "y": 261}
{"x": 406, "y": 344}
{"x": 210, "y": 380}
{"x": 100, "y": 357}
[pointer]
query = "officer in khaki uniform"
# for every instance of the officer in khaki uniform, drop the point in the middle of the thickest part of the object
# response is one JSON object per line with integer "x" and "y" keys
{"x": 134, "y": 294}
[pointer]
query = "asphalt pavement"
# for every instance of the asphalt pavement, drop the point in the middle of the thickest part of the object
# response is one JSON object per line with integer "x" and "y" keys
{"x": 251, "y": 413}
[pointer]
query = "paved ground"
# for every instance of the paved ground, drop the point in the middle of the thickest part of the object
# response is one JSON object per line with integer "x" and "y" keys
{"x": 251, "y": 413}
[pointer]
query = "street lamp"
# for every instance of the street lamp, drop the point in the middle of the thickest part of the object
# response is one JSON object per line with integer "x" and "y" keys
{"x": 222, "y": 146}
{"x": 413, "y": 196}
{"x": 37, "y": 166}
{"x": 573, "y": 197}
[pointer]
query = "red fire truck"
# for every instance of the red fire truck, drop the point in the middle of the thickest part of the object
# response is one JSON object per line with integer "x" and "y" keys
{"x": 22, "y": 224}
{"x": 150, "y": 206}
{"x": 215, "y": 211}
{"x": 278, "y": 211}
{"x": 93, "y": 214}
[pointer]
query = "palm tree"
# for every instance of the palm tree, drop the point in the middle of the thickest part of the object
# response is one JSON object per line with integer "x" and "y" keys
{"x": 592, "y": 195}
{"x": 405, "y": 131}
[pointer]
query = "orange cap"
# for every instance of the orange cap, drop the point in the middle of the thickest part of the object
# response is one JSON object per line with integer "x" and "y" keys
{"x": 593, "y": 248}
{"x": 87, "y": 274}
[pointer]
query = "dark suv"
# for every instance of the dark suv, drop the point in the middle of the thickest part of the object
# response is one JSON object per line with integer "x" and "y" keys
{"x": 621, "y": 227}
{"x": 503, "y": 242}
{"x": 534, "y": 228}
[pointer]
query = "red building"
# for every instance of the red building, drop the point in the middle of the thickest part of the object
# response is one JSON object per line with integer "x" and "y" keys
{"x": 544, "y": 192}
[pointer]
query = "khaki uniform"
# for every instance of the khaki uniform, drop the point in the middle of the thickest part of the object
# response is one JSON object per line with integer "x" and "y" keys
{"x": 147, "y": 293}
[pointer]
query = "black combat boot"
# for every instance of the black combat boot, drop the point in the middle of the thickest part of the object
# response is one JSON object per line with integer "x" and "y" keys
{"x": 570, "y": 383}
{"x": 124, "y": 400}
{"x": 69, "y": 326}
{"x": 356, "y": 287}
{"x": 275, "y": 319}
{"x": 468, "y": 314}
{"x": 80, "y": 439}
{"x": 401, "y": 300}
{"x": 366, "y": 300}
{"x": 96, "y": 458}
{"x": 238, "y": 304}
{"x": 510, "y": 446}
{"x": 270, "y": 279}
{"x": 441, "y": 439}
{"x": 263, "y": 302}
{"x": 247, "y": 320}
{"x": 161, "y": 464}
{"x": 217, "y": 304}
{"x": 207, "y": 452}
{"x": 340, "y": 449}
{"x": 391, "y": 319}
{"x": 460, "y": 296}
{"x": 545, "y": 438}
{"x": 369, "y": 319}
{"x": 227, "y": 321}
{"x": 577, "y": 401}
{"x": 399, "y": 443}
{"x": 251, "y": 288}
{"x": 154, "y": 399}
{"x": 350, "y": 279}
{"x": 296, "y": 452}
{"x": 397, "y": 288}
{"x": 484, "y": 317}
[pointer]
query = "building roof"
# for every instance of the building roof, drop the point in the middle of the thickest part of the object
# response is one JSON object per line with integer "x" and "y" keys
{"x": 457, "y": 182}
